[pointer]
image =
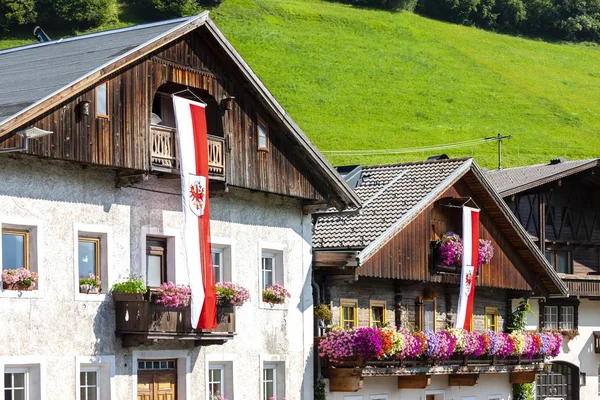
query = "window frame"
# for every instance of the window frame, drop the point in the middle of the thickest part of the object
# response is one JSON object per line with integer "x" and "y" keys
{"x": 98, "y": 373}
{"x": 221, "y": 368}
{"x": 25, "y": 388}
{"x": 493, "y": 311}
{"x": 560, "y": 305}
{"x": 553, "y": 252}
{"x": 379, "y": 304}
{"x": 262, "y": 122}
{"x": 162, "y": 251}
{"x": 434, "y": 302}
{"x": 97, "y": 114}
{"x": 98, "y": 245}
{"x": 272, "y": 367}
{"x": 26, "y": 247}
{"x": 347, "y": 303}
{"x": 221, "y": 252}
{"x": 267, "y": 255}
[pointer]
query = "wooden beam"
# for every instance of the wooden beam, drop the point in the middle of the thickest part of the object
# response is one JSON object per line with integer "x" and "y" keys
{"x": 414, "y": 381}
{"x": 335, "y": 259}
{"x": 463, "y": 379}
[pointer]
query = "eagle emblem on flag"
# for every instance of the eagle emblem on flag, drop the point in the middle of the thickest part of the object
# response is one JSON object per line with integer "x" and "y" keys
{"x": 196, "y": 194}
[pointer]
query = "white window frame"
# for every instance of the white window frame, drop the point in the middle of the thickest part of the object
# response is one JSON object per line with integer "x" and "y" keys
{"x": 227, "y": 361}
{"x": 221, "y": 264}
{"x": 173, "y": 237}
{"x": 25, "y": 381}
{"x": 36, "y": 365}
{"x": 378, "y": 397}
{"x": 221, "y": 368}
{"x": 227, "y": 246}
{"x": 279, "y": 274}
{"x": 495, "y": 397}
{"x": 280, "y": 375}
{"x": 105, "y": 368}
{"x": 436, "y": 392}
{"x": 104, "y": 233}
{"x": 268, "y": 256}
{"x": 272, "y": 367}
{"x": 554, "y": 312}
{"x": 566, "y": 324}
{"x": 36, "y": 254}
{"x": 98, "y": 373}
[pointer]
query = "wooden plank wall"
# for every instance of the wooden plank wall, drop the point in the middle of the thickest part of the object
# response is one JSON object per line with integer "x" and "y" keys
{"x": 122, "y": 140}
{"x": 406, "y": 256}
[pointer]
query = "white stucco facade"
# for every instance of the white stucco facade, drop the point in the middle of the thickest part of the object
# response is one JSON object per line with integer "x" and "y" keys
{"x": 578, "y": 351}
{"x": 55, "y": 331}
{"x": 489, "y": 387}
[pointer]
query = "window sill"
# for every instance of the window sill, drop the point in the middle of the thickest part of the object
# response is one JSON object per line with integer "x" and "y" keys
{"x": 90, "y": 297}
{"x": 21, "y": 294}
{"x": 269, "y": 306}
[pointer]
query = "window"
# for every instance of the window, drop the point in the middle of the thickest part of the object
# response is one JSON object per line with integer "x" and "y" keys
{"x": 269, "y": 381}
{"x": 263, "y": 135}
{"x": 268, "y": 270}
{"x": 15, "y": 249}
{"x": 559, "y": 314}
{"x": 429, "y": 315}
{"x": 560, "y": 260}
{"x": 15, "y": 384}
{"x": 348, "y": 313}
{"x": 102, "y": 100}
{"x": 378, "y": 397}
{"x": 89, "y": 385}
{"x": 216, "y": 377}
{"x": 88, "y": 254}
{"x": 156, "y": 261}
{"x": 491, "y": 319}
{"x": 218, "y": 258}
{"x": 377, "y": 317}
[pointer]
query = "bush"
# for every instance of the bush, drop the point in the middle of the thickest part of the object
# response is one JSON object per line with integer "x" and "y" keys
{"x": 133, "y": 284}
{"x": 165, "y": 9}
{"x": 76, "y": 14}
{"x": 323, "y": 312}
{"x": 16, "y": 12}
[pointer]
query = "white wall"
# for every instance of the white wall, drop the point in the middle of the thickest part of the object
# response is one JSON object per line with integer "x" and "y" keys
{"x": 580, "y": 350}
{"x": 58, "y": 326}
{"x": 489, "y": 384}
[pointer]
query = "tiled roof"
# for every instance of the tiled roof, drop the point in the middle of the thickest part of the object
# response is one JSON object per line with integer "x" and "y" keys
{"x": 387, "y": 193}
{"x": 513, "y": 180}
{"x": 30, "y": 73}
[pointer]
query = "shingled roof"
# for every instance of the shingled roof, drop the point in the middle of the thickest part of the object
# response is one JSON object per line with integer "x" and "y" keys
{"x": 514, "y": 180}
{"x": 387, "y": 192}
{"x": 30, "y": 73}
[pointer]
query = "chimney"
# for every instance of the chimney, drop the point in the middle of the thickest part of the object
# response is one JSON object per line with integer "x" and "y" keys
{"x": 555, "y": 161}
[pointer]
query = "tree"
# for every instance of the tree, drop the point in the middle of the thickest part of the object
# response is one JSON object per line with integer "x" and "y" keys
{"x": 16, "y": 12}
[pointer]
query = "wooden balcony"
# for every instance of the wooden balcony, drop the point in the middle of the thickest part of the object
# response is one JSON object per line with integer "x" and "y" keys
{"x": 144, "y": 322}
{"x": 165, "y": 158}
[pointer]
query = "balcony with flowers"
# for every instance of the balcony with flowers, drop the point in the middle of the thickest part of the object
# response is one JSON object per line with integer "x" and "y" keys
{"x": 350, "y": 355}
{"x": 164, "y": 314}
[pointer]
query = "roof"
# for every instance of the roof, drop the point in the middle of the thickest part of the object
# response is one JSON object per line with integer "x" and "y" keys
{"x": 393, "y": 195}
{"x": 31, "y": 85}
{"x": 31, "y": 73}
{"x": 514, "y": 180}
{"x": 388, "y": 192}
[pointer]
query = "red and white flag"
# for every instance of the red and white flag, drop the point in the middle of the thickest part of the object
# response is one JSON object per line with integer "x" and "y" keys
{"x": 190, "y": 117}
{"x": 468, "y": 275}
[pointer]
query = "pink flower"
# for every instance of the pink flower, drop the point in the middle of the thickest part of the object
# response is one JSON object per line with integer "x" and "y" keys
{"x": 172, "y": 295}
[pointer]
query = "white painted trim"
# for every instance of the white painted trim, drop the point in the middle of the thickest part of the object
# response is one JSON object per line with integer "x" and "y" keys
{"x": 102, "y": 361}
{"x": 105, "y": 234}
{"x": 15, "y": 361}
{"x": 174, "y": 260}
{"x": 37, "y": 247}
{"x": 279, "y": 250}
{"x": 227, "y": 244}
{"x": 379, "y": 397}
{"x": 216, "y": 358}
{"x": 180, "y": 355}
{"x": 267, "y": 359}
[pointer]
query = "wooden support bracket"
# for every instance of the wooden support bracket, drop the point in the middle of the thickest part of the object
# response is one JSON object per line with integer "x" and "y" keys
{"x": 522, "y": 377}
{"x": 463, "y": 379}
{"x": 414, "y": 381}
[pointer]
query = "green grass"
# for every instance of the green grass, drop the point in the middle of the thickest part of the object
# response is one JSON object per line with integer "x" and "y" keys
{"x": 357, "y": 79}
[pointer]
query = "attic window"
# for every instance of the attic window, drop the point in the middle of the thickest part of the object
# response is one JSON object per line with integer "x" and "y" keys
{"x": 102, "y": 100}
{"x": 263, "y": 135}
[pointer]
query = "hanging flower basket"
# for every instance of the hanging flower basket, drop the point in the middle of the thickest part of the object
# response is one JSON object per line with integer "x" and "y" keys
{"x": 447, "y": 253}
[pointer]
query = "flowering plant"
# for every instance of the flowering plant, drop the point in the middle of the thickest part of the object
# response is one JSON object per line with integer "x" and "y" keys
{"x": 440, "y": 345}
{"x": 337, "y": 345}
{"x": 485, "y": 252}
{"x": 172, "y": 295}
{"x": 21, "y": 276}
{"x": 91, "y": 280}
{"x": 232, "y": 293}
{"x": 275, "y": 294}
{"x": 368, "y": 343}
{"x": 218, "y": 396}
{"x": 450, "y": 249}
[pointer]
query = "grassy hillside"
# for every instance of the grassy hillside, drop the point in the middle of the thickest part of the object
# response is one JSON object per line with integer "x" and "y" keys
{"x": 356, "y": 79}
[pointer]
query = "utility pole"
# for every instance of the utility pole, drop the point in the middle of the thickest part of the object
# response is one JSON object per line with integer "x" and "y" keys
{"x": 499, "y": 139}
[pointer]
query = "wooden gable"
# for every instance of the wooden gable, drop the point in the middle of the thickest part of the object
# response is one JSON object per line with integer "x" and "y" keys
{"x": 123, "y": 139}
{"x": 407, "y": 254}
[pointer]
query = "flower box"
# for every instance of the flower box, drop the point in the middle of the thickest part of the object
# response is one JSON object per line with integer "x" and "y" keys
{"x": 15, "y": 286}
{"x": 128, "y": 296}
{"x": 344, "y": 379}
{"x": 89, "y": 289}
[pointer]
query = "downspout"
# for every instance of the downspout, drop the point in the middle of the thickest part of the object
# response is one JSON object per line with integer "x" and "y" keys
{"x": 317, "y": 300}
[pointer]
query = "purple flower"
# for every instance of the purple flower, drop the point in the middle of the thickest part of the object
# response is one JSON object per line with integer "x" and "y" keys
{"x": 367, "y": 343}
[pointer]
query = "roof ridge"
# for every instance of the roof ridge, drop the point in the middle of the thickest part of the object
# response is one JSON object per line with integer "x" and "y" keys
{"x": 543, "y": 165}
{"x": 96, "y": 34}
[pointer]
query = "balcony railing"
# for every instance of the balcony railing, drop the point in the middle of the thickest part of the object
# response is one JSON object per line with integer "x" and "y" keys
{"x": 165, "y": 158}
{"x": 140, "y": 322}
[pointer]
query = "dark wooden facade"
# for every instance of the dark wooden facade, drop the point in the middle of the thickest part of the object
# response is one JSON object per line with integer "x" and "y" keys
{"x": 122, "y": 140}
{"x": 407, "y": 254}
{"x": 564, "y": 215}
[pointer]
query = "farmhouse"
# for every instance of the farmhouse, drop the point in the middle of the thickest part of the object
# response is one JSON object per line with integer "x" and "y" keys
{"x": 382, "y": 265}
{"x": 90, "y": 183}
{"x": 557, "y": 203}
